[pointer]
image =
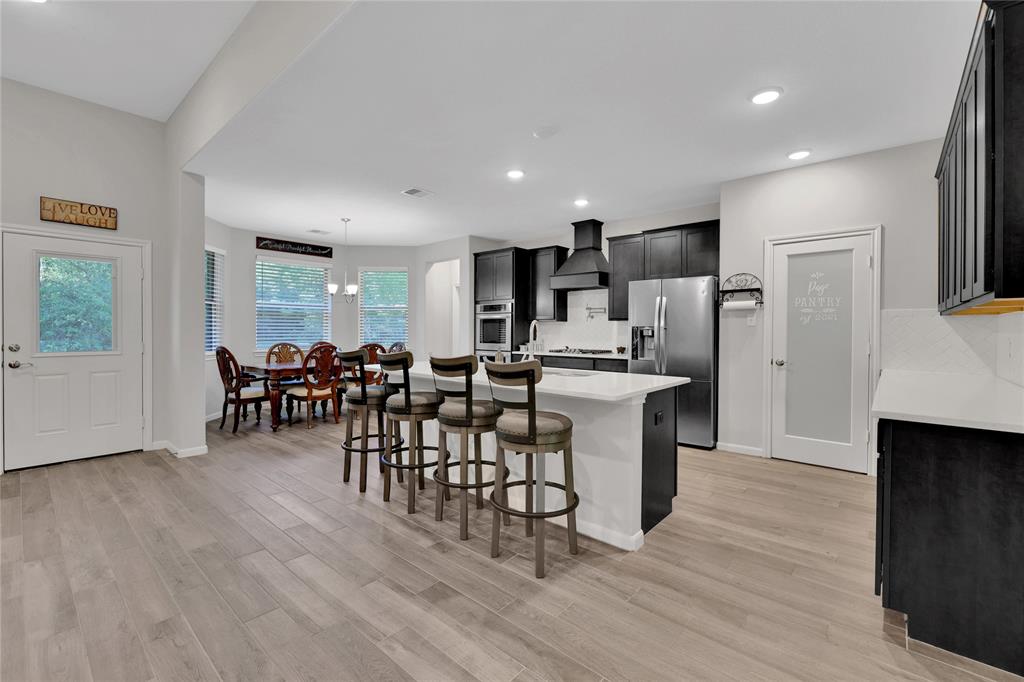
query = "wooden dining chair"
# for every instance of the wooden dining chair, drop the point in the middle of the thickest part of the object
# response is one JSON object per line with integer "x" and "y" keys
{"x": 373, "y": 350}
{"x": 320, "y": 377}
{"x": 237, "y": 388}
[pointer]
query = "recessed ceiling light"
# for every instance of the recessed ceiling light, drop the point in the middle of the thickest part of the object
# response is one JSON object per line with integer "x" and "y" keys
{"x": 799, "y": 155}
{"x": 766, "y": 95}
{"x": 515, "y": 174}
{"x": 581, "y": 203}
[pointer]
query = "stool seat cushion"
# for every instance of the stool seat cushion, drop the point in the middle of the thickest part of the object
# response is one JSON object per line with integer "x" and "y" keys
{"x": 552, "y": 427}
{"x": 419, "y": 401}
{"x": 249, "y": 392}
{"x": 454, "y": 410}
{"x": 300, "y": 392}
{"x": 375, "y": 395}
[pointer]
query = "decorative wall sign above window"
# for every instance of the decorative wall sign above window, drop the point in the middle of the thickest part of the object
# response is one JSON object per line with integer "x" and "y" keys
{"x": 285, "y": 246}
{"x": 76, "y": 213}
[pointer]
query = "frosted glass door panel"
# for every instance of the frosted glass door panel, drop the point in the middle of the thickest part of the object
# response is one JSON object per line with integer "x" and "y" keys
{"x": 818, "y": 340}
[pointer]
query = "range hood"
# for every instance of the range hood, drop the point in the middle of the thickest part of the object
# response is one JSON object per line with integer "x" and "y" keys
{"x": 586, "y": 267}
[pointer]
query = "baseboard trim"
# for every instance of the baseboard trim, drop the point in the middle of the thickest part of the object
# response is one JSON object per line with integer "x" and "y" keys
{"x": 179, "y": 452}
{"x": 741, "y": 449}
{"x": 213, "y": 417}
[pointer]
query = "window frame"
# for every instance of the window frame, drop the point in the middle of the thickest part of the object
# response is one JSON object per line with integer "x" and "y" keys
{"x": 281, "y": 259}
{"x": 359, "y": 298}
{"x": 223, "y": 281}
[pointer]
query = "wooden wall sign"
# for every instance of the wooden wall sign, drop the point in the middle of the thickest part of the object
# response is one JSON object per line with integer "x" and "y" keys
{"x": 77, "y": 213}
{"x": 285, "y": 246}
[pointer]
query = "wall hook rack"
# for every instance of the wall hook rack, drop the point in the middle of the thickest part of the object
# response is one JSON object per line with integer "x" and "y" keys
{"x": 745, "y": 285}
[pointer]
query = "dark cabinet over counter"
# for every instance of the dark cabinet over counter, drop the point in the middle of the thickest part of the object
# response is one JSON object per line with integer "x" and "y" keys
{"x": 681, "y": 251}
{"x": 950, "y": 537}
{"x": 981, "y": 173}
{"x": 545, "y": 302}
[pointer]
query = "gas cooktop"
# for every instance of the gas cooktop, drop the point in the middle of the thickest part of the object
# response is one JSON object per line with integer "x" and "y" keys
{"x": 581, "y": 351}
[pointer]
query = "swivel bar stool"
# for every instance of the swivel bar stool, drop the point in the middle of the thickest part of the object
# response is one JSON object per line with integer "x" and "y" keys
{"x": 360, "y": 400}
{"x": 405, "y": 405}
{"x": 521, "y": 428}
{"x": 460, "y": 414}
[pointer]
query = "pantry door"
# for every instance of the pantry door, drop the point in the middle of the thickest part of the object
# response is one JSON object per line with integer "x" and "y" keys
{"x": 72, "y": 349}
{"x": 821, "y": 329}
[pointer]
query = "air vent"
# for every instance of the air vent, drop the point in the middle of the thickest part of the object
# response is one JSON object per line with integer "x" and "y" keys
{"x": 316, "y": 231}
{"x": 417, "y": 192}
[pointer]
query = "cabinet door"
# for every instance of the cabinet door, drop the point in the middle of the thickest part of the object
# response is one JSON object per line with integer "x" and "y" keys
{"x": 611, "y": 366}
{"x": 626, "y": 262}
{"x": 969, "y": 166}
{"x": 700, "y": 251}
{"x": 504, "y": 278}
{"x": 543, "y": 301}
{"x": 566, "y": 363}
{"x": 483, "y": 281}
{"x": 663, "y": 254}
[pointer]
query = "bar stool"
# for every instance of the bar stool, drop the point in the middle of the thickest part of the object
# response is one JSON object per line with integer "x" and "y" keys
{"x": 405, "y": 405}
{"x": 359, "y": 401}
{"x": 523, "y": 429}
{"x": 460, "y": 414}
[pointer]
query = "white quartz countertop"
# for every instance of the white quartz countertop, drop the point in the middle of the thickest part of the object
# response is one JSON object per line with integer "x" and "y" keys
{"x": 971, "y": 401}
{"x": 577, "y": 383}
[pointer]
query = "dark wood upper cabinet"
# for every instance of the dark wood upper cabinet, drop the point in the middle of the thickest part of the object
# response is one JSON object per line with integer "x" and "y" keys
{"x": 501, "y": 275}
{"x": 663, "y": 254}
{"x": 626, "y": 264}
{"x": 981, "y": 173}
{"x": 700, "y": 249}
{"x": 547, "y": 304}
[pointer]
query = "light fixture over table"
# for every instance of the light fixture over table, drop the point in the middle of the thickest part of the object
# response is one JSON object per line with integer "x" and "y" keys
{"x": 350, "y": 290}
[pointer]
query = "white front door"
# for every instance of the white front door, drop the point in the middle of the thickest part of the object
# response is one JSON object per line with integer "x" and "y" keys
{"x": 72, "y": 349}
{"x": 820, "y": 347}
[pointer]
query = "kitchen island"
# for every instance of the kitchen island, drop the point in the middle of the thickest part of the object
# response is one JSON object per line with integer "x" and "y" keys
{"x": 624, "y": 447}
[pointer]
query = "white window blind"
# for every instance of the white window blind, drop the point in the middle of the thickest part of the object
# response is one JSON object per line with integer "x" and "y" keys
{"x": 383, "y": 306}
{"x": 292, "y": 304}
{"x": 214, "y": 300}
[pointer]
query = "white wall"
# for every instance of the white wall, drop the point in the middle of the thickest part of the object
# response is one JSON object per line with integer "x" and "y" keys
{"x": 599, "y": 332}
{"x": 893, "y": 187}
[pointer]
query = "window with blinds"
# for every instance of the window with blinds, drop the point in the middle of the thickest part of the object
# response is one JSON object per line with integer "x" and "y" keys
{"x": 214, "y": 300}
{"x": 383, "y": 306}
{"x": 292, "y": 304}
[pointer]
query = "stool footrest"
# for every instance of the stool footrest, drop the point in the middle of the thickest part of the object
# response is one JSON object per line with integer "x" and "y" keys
{"x": 349, "y": 448}
{"x": 468, "y": 486}
{"x": 520, "y": 513}
{"x": 426, "y": 465}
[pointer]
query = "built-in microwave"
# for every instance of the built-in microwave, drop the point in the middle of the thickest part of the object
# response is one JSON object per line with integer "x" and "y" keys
{"x": 494, "y": 326}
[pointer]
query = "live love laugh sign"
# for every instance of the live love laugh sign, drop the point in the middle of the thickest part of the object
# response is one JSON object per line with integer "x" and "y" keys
{"x": 77, "y": 213}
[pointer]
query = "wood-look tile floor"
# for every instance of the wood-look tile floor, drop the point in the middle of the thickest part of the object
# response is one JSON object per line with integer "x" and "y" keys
{"x": 255, "y": 562}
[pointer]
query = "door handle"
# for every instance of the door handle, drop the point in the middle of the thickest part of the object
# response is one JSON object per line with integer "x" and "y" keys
{"x": 657, "y": 335}
{"x": 780, "y": 363}
{"x": 15, "y": 364}
{"x": 14, "y": 348}
{"x": 664, "y": 350}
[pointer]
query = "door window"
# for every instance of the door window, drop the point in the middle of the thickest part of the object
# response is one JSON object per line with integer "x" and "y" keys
{"x": 76, "y": 305}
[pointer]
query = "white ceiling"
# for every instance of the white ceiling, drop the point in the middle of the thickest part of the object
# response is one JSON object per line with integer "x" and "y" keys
{"x": 139, "y": 57}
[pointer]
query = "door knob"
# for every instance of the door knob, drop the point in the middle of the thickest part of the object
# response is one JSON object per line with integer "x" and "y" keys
{"x": 14, "y": 348}
{"x": 780, "y": 363}
{"x": 14, "y": 364}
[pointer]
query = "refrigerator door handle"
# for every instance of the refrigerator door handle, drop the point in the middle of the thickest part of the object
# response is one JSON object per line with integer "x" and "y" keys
{"x": 664, "y": 330}
{"x": 657, "y": 336}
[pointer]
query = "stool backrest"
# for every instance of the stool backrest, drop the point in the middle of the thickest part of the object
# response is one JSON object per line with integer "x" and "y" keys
{"x": 397, "y": 346}
{"x": 321, "y": 368}
{"x": 395, "y": 367}
{"x": 230, "y": 373}
{"x": 285, "y": 353}
{"x": 526, "y": 373}
{"x": 462, "y": 366}
{"x": 354, "y": 361}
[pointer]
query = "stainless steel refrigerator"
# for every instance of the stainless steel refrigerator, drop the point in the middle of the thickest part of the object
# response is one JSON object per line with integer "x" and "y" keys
{"x": 674, "y": 331}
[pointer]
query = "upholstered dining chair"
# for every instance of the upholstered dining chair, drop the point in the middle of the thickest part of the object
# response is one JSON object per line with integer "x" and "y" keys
{"x": 320, "y": 377}
{"x": 237, "y": 390}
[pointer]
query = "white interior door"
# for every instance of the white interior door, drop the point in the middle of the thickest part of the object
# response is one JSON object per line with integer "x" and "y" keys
{"x": 72, "y": 349}
{"x": 820, "y": 347}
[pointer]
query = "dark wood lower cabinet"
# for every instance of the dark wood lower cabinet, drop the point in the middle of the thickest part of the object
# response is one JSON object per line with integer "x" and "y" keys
{"x": 577, "y": 362}
{"x": 950, "y": 540}
{"x": 660, "y": 458}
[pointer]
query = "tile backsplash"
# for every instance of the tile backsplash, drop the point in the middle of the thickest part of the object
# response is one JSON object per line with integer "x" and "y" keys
{"x": 579, "y": 331}
{"x": 922, "y": 340}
